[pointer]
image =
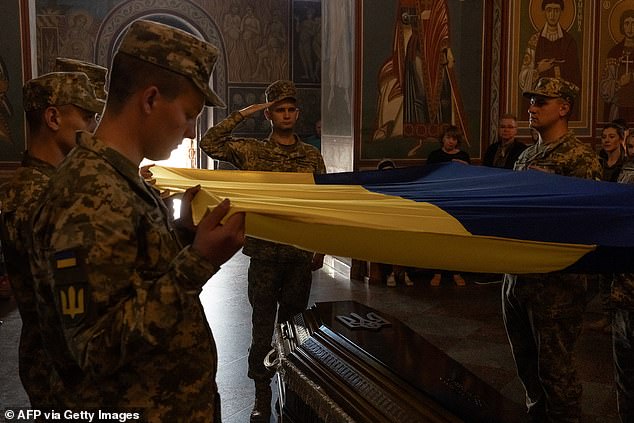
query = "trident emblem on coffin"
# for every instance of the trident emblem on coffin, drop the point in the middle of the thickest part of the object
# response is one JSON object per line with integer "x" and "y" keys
{"x": 371, "y": 321}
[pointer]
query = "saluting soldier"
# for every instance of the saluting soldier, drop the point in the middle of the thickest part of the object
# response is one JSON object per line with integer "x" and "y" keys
{"x": 279, "y": 275}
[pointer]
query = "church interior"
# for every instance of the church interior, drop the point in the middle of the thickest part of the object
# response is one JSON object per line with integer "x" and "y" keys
{"x": 352, "y": 62}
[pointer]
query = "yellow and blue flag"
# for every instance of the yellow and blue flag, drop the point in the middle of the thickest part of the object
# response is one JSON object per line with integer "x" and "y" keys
{"x": 447, "y": 216}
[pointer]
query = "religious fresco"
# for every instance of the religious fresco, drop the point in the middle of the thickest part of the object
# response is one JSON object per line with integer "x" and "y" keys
{"x": 12, "y": 73}
{"x": 255, "y": 38}
{"x": 551, "y": 39}
{"x": 418, "y": 60}
{"x": 616, "y": 79}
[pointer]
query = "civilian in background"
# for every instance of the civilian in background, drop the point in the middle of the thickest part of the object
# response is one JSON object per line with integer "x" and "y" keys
{"x": 396, "y": 272}
{"x": 612, "y": 154}
{"x": 629, "y": 147}
{"x": 504, "y": 152}
{"x": 449, "y": 151}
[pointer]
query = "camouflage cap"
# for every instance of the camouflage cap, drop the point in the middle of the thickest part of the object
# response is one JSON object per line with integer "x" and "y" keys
{"x": 97, "y": 74}
{"x": 554, "y": 88}
{"x": 174, "y": 50}
{"x": 59, "y": 89}
{"x": 281, "y": 89}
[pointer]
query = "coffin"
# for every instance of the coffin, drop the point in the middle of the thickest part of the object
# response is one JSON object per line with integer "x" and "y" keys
{"x": 346, "y": 362}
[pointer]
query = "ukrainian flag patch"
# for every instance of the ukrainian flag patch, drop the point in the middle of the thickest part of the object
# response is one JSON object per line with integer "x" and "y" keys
{"x": 65, "y": 259}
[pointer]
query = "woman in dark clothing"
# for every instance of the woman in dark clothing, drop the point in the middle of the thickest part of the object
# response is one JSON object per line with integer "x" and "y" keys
{"x": 449, "y": 152}
{"x": 450, "y": 148}
{"x": 612, "y": 154}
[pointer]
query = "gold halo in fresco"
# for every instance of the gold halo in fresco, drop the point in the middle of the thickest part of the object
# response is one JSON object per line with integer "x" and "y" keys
{"x": 567, "y": 15}
{"x": 615, "y": 16}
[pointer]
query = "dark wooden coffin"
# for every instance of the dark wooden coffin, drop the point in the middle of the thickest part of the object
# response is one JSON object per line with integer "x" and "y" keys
{"x": 345, "y": 362}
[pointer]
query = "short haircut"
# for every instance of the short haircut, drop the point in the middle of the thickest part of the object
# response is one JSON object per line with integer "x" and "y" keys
{"x": 547, "y": 2}
{"x": 620, "y": 130}
{"x": 35, "y": 118}
{"x": 452, "y": 131}
{"x": 571, "y": 104}
{"x": 508, "y": 116}
{"x": 130, "y": 74}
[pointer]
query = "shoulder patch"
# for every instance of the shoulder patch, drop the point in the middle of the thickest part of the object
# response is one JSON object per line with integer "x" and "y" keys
{"x": 72, "y": 291}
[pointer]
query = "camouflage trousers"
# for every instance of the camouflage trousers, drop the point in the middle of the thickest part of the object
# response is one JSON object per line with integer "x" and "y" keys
{"x": 543, "y": 316}
{"x": 35, "y": 368}
{"x": 623, "y": 344}
{"x": 274, "y": 288}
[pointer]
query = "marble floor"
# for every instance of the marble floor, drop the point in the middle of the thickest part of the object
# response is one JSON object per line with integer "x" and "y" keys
{"x": 465, "y": 322}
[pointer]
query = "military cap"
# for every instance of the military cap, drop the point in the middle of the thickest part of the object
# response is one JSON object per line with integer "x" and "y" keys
{"x": 554, "y": 88}
{"x": 280, "y": 90}
{"x": 174, "y": 50}
{"x": 59, "y": 89}
{"x": 97, "y": 74}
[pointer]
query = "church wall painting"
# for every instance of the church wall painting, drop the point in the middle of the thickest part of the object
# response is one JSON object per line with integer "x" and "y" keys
{"x": 615, "y": 88}
{"x": 420, "y": 68}
{"x": 550, "y": 39}
{"x": 14, "y": 70}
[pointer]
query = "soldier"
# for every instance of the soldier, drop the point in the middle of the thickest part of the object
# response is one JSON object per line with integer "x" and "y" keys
{"x": 97, "y": 74}
{"x": 57, "y": 105}
{"x": 279, "y": 275}
{"x": 543, "y": 313}
{"x": 118, "y": 294}
{"x": 621, "y": 301}
{"x": 622, "y": 317}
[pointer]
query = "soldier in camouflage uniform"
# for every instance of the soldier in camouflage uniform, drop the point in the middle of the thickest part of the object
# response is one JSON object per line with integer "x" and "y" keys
{"x": 57, "y": 105}
{"x": 279, "y": 275}
{"x": 622, "y": 302}
{"x": 543, "y": 313}
{"x": 622, "y": 308}
{"x": 117, "y": 290}
{"x": 97, "y": 74}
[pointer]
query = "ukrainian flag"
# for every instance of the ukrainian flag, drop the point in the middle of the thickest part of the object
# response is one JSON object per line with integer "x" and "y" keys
{"x": 448, "y": 216}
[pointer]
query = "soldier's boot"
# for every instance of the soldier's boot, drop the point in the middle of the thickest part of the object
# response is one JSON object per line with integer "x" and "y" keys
{"x": 262, "y": 408}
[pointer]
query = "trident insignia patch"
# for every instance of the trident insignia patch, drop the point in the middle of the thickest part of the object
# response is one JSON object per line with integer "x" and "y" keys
{"x": 71, "y": 287}
{"x": 72, "y": 302}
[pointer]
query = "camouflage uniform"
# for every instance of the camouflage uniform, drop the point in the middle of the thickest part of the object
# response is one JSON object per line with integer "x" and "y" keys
{"x": 278, "y": 274}
{"x": 97, "y": 74}
{"x": 139, "y": 338}
{"x": 567, "y": 156}
{"x": 543, "y": 313}
{"x": 622, "y": 306}
{"x": 60, "y": 88}
{"x": 20, "y": 198}
{"x": 622, "y": 297}
{"x": 117, "y": 294}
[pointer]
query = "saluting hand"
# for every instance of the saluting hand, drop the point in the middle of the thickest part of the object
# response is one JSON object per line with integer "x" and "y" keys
{"x": 254, "y": 108}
